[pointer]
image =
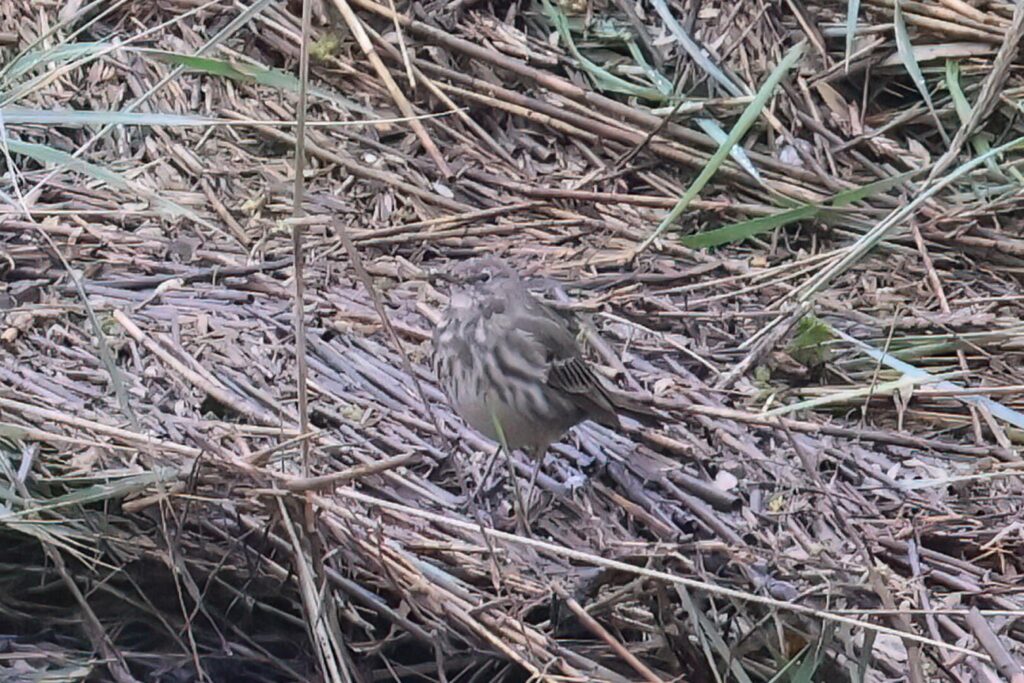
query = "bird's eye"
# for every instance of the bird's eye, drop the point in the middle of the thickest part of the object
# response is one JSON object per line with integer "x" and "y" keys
{"x": 485, "y": 276}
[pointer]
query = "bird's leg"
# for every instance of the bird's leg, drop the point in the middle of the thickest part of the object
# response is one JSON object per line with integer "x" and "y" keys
{"x": 524, "y": 522}
{"x": 487, "y": 472}
{"x": 537, "y": 456}
{"x": 521, "y": 511}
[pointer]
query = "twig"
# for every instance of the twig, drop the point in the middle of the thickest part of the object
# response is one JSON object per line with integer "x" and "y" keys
{"x": 989, "y": 96}
{"x": 359, "y": 33}
{"x": 357, "y": 472}
{"x": 357, "y": 265}
{"x": 298, "y": 304}
{"x": 115, "y": 662}
{"x": 327, "y": 647}
{"x": 357, "y": 169}
{"x": 601, "y": 632}
{"x": 210, "y": 274}
{"x": 991, "y": 643}
{"x": 878, "y": 436}
{"x": 210, "y": 386}
{"x": 596, "y": 560}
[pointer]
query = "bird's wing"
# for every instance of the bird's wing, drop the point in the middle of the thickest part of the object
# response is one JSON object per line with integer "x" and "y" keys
{"x": 566, "y": 370}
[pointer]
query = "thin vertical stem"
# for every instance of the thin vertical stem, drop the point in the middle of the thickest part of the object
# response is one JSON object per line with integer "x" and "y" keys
{"x": 301, "y": 370}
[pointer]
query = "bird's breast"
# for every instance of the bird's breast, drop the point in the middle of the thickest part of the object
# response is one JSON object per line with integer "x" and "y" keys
{"x": 493, "y": 371}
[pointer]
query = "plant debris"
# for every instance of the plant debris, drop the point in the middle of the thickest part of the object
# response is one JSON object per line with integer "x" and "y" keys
{"x": 833, "y": 323}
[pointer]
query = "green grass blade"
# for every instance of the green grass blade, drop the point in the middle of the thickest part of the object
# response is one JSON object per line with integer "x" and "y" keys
{"x": 963, "y": 112}
{"x": 236, "y": 71}
{"x": 746, "y": 120}
{"x": 852, "y": 10}
{"x": 866, "y": 653}
{"x": 861, "y": 193}
{"x": 602, "y": 78}
{"x": 663, "y": 84}
{"x": 810, "y": 345}
{"x": 1004, "y": 413}
{"x": 738, "y": 154}
{"x": 711, "y": 638}
{"x": 115, "y": 489}
{"x": 812, "y": 659}
{"x": 77, "y": 117}
{"x": 755, "y": 226}
{"x": 963, "y": 108}
{"x": 845, "y": 396}
{"x": 59, "y": 54}
{"x": 698, "y": 54}
{"x": 786, "y": 672}
{"x": 248, "y": 73}
{"x": 906, "y": 53}
{"x": 49, "y": 155}
{"x": 868, "y": 241}
{"x": 744, "y": 229}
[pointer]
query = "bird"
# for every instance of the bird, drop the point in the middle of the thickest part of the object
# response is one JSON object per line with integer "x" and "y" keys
{"x": 508, "y": 361}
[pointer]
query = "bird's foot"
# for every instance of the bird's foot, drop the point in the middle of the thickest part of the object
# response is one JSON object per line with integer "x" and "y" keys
{"x": 511, "y": 519}
{"x": 485, "y": 491}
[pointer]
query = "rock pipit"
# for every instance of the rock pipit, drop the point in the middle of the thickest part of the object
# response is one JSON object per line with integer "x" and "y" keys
{"x": 509, "y": 362}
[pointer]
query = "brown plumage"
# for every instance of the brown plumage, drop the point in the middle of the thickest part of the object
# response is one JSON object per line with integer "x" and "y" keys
{"x": 502, "y": 355}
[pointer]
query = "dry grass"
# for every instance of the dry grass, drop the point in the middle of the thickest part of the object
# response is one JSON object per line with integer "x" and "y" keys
{"x": 830, "y": 312}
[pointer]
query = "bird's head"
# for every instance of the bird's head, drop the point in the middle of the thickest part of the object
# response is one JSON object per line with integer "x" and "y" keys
{"x": 483, "y": 272}
{"x": 479, "y": 278}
